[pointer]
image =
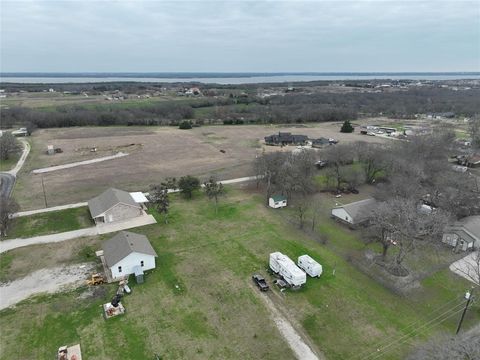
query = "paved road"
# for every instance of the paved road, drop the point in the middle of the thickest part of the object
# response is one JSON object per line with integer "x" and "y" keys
{"x": 49, "y": 209}
{"x": 6, "y": 245}
{"x": 7, "y": 178}
{"x": 21, "y": 161}
{"x": 78, "y": 163}
{"x": 7, "y": 181}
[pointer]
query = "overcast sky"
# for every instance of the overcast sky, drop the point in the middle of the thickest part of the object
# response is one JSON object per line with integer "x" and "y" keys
{"x": 239, "y": 36}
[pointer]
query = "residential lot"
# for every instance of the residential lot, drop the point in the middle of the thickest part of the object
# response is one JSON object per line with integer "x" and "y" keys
{"x": 200, "y": 302}
{"x": 154, "y": 154}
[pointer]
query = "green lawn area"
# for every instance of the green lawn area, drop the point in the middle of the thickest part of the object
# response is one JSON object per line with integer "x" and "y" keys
{"x": 6, "y": 165}
{"x": 199, "y": 302}
{"x": 50, "y": 222}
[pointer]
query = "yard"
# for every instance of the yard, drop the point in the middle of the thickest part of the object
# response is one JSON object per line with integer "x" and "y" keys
{"x": 199, "y": 302}
{"x": 6, "y": 165}
{"x": 50, "y": 223}
{"x": 154, "y": 153}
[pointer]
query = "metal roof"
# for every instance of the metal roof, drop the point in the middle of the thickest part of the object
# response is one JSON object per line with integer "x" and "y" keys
{"x": 359, "y": 211}
{"x": 139, "y": 197}
{"x": 109, "y": 198}
{"x": 123, "y": 244}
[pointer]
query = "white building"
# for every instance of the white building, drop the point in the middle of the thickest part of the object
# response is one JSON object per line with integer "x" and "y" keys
{"x": 127, "y": 252}
{"x": 355, "y": 213}
{"x": 277, "y": 201}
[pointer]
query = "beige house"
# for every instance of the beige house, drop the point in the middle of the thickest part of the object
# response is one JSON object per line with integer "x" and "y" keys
{"x": 463, "y": 234}
{"x": 115, "y": 205}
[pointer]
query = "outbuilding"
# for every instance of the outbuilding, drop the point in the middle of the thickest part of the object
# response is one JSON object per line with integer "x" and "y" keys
{"x": 129, "y": 253}
{"x": 463, "y": 234}
{"x": 356, "y": 213}
{"x": 277, "y": 201}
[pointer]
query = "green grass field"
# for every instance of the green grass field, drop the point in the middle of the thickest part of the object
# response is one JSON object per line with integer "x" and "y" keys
{"x": 6, "y": 165}
{"x": 50, "y": 223}
{"x": 199, "y": 302}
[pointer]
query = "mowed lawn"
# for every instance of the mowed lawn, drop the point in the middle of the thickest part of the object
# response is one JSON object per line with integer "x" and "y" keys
{"x": 50, "y": 223}
{"x": 199, "y": 302}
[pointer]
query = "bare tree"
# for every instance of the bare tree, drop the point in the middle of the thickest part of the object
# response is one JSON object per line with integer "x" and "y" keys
{"x": 374, "y": 160}
{"x": 474, "y": 130}
{"x": 8, "y": 206}
{"x": 8, "y": 145}
{"x": 160, "y": 200}
{"x": 337, "y": 156}
{"x": 214, "y": 190}
{"x": 269, "y": 167}
{"x": 400, "y": 222}
{"x": 447, "y": 347}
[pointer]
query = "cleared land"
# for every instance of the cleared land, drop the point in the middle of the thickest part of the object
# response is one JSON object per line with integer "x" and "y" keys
{"x": 155, "y": 153}
{"x": 199, "y": 302}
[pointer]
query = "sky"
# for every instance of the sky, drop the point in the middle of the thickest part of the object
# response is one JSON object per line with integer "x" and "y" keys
{"x": 239, "y": 36}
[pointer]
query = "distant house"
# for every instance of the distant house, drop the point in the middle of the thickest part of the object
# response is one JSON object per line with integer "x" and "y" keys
{"x": 463, "y": 234}
{"x": 356, "y": 213}
{"x": 114, "y": 205}
{"x": 128, "y": 253}
{"x": 469, "y": 160}
{"x": 286, "y": 138}
{"x": 320, "y": 142}
{"x": 277, "y": 201}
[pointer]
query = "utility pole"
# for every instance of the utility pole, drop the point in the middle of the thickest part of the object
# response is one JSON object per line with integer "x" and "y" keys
{"x": 44, "y": 193}
{"x": 468, "y": 296}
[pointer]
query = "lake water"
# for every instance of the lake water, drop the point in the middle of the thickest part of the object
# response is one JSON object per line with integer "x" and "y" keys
{"x": 240, "y": 79}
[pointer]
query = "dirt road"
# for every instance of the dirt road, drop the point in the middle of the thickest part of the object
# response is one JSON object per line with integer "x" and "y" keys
{"x": 44, "y": 281}
{"x": 299, "y": 346}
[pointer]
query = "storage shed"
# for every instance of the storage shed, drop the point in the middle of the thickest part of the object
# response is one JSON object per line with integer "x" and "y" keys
{"x": 277, "y": 201}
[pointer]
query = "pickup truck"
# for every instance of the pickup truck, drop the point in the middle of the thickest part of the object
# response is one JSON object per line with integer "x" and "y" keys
{"x": 260, "y": 281}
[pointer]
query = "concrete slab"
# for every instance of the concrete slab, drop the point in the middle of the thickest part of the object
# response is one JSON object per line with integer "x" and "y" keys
{"x": 468, "y": 267}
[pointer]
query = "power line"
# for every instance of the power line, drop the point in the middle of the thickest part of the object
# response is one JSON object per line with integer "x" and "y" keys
{"x": 382, "y": 352}
{"x": 412, "y": 324}
{"x": 457, "y": 308}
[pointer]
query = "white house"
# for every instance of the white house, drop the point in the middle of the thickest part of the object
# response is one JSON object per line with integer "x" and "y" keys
{"x": 355, "y": 213}
{"x": 277, "y": 201}
{"x": 127, "y": 252}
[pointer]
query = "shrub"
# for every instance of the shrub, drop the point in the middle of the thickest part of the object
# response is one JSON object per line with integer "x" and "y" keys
{"x": 347, "y": 127}
{"x": 185, "y": 125}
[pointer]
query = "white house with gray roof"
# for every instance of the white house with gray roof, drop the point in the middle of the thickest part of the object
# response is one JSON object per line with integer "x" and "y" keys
{"x": 127, "y": 252}
{"x": 114, "y": 205}
{"x": 356, "y": 213}
{"x": 463, "y": 234}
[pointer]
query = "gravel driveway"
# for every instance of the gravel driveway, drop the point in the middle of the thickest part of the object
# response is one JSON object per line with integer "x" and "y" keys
{"x": 44, "y": 281}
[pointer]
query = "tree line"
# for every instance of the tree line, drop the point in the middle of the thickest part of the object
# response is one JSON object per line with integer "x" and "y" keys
{"x": 291, "y": 108}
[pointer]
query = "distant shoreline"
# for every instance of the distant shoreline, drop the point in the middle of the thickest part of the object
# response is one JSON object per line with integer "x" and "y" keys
{"x": 226, "y": 78}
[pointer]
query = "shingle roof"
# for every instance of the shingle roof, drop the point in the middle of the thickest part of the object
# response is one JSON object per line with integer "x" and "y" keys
{"x": 360, "y": 210}
{"x": 98, "y": 205}
{"x": 123, "y": 244}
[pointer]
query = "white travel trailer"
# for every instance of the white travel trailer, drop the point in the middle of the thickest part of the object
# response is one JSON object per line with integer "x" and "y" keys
{"x": 283, "y": 265}
{"x": 310, "y": 266}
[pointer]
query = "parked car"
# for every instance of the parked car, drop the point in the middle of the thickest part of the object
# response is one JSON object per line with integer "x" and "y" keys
{"x": 260, "y": 281}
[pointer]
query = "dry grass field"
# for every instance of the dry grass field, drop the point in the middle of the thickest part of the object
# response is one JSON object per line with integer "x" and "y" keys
{"x": 155, "y": 153}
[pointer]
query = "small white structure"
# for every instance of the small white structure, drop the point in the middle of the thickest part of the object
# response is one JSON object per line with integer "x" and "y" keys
{"x": 277, "y": 201}
{"x": 128, "y": 252}
{"x": 50, "y": 150}
{"x": 284, "y": 266}
{"x": 310, "y": 266}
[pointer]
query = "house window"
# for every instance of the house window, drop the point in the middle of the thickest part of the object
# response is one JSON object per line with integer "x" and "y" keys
{"x": 141, "y": 263}
{"x": 119, "y": 269}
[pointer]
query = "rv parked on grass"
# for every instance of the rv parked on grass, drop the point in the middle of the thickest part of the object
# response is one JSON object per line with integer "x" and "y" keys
{"x": 310, "y": 266}
{"x": 284, "y": 266}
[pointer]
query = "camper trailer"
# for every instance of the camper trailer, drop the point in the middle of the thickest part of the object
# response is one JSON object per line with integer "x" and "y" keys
{"x": 310, "y": 266}
{"x": 284, "y": 266}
